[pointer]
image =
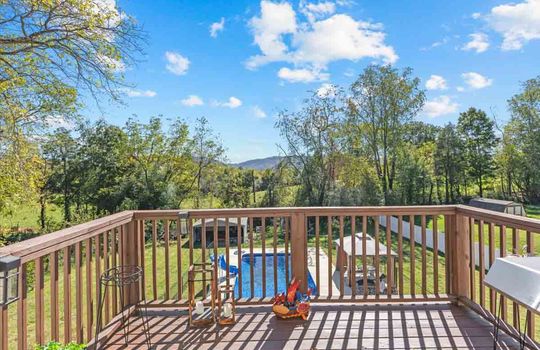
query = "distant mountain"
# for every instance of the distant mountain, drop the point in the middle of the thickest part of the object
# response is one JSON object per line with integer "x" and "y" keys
{"x": 259, "y": 164}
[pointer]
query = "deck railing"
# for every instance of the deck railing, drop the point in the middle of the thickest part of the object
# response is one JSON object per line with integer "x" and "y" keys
{"x": 58, "y": 286}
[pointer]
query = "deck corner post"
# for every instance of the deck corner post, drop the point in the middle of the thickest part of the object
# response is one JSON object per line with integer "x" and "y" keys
{"x": 299, "y": 249}
{"x": 131, "y": 257}
{"x": 460, "y": 258}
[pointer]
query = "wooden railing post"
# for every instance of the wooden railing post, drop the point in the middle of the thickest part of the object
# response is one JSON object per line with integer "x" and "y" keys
{"x": 299, "y": 248}
{"x": 130, "y": 257}
{"x": 460, "y": 258}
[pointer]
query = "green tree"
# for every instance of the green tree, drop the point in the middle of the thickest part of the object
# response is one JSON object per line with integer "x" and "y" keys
{"x": 207, "y": 150}
{"x": 523, "y": 132}
{"x": 104, "y": 164}
{"x": 158, "y": 161}
{"x": 383, "y": 100}
{"x": 449, "y": 162}
{"x": 478, "y": 134}
{"x": 61, "y": 152}
{"x": 52, "y": 55}
{"x": 313, "y": 142}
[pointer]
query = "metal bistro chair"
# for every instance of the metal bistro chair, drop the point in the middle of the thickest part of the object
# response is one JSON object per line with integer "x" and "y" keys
{"x": 121, "y": 277}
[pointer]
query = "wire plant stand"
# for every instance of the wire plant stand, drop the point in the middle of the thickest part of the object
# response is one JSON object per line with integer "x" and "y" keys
{"x": 121, "y": 277}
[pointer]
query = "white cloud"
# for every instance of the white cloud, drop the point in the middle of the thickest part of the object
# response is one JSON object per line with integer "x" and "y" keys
{"x": 313, "y": 11}
{"x": 177, "y": 64}
{"x": 311, "y": 45}
{"x": 301, "y": 75}
{"x": 192, "y": 100}
{"x": 435, "y": 44}
{"x": 217, "y": 27}
{"x": 441, "y": 105}
{"x": 476, "y": 15}
{"x": 517, "y": 23}
{"x": 436, "y": 82}
{"x": 326, "y": 90}
{"x": 479, "y": 43}
{"x": 139, "y": 93}
{"x": 341, "y": 37}
{"x": 476, "y": 80}
{"x": 268, "y": 30}
{"x": 258, "y": 112}
{"x": 460, "y": 89}
{"x": 233, "y": 102}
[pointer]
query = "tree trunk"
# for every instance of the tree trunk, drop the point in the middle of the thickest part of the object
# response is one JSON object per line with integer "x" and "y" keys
{"x": 42, "y": 212}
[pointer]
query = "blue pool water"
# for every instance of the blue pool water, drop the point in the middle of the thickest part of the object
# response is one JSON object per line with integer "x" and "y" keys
{"x": 257, "y": 273}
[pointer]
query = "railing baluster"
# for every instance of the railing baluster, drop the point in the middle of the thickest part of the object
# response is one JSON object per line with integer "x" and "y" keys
{"x": 400, "y": 254}
{"x": 352, "y": 272}
{"x": 502, "y": 250}
{"x": 251, "y": 259}
{"x": 53, "y": 266}
{"x": 377, "y": 257}
{"x": 531, "y": 327}
{"x": 78, "y": 294}
{"x": 515, "y": 250}
{"x": 114, "y": 252}
{"x": 472, "y": 267}
{"x": 364, "y": 256}
{"x": 491, "y": 238}
{"x": 424, "y": 258}
{"x": 215, "y": 244}
{"x": 106, "y": 266}
{"x": 286, "y": 233}
{"x": 447, "y": 254}
{"x": 435, "y": 219}
{"x": 481, "y": 264}
{"x": 4, "y": 327}
{"x": 227, "y": 251}
{"x": 67, "y": 295}
{"x": 317, "y": 254}
{"x": 166, "y": 224}
{"x": 179, "y": 257}
{"x": 154, "y": 259}
{"x": 275, "y": 256}
{"x": 203, "y": 253}
{"x": 22, "y": 313}
{"x": 263, "y": 250}
{"x": 330, "y": 244}
{"x": 389, "y": 258}
{"x": 340, "y": 264}
{"x": 98, "y": 273}
{"x": 142, "y": 262}
{"x": 240, "y": 234}
{"x": 412, "y": 240}
{"x": 40, "y": 300}
{"x": 89, "y": 305}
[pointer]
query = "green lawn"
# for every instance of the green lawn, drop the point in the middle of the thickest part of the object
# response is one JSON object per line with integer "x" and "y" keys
{"x": 27, "y": 216}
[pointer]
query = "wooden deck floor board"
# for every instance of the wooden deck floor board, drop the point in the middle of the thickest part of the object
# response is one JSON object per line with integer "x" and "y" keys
{"x": 427, "y": 326}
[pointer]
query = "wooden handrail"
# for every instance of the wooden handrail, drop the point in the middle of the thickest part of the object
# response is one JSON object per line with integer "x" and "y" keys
{"x": 287, "y": 211}
{"x": 497, "y": 218}
{"x": 41, "y": 246}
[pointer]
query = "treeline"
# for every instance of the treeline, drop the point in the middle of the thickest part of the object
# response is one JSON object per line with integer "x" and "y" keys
{"x": 364, "y": 146}
{"x": 99, "y": 168}
{"x": 360, "y": 146}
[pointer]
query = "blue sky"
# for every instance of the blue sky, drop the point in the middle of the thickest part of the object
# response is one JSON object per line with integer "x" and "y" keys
{"x": 263, "y": 57}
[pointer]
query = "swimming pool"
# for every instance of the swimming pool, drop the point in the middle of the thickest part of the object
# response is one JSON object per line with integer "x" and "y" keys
{"x": 257, "y": 273}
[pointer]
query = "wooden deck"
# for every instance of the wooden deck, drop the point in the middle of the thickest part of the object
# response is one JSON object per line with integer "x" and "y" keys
{"x": 330, "y": 326}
